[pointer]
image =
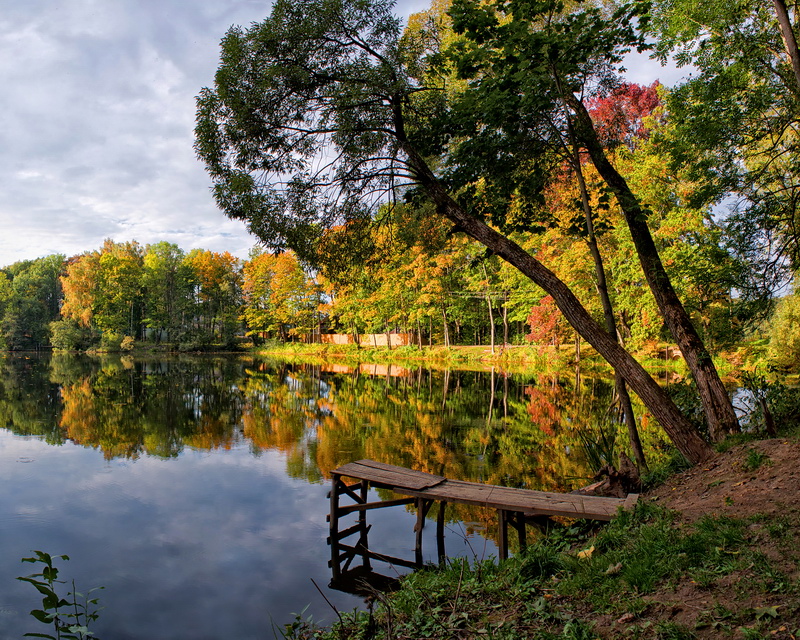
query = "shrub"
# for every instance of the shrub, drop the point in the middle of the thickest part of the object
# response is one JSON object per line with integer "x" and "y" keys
{"x": 68, "y": 335}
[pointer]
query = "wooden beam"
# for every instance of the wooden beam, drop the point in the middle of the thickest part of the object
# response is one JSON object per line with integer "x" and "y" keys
{"x": 351, "y": 508}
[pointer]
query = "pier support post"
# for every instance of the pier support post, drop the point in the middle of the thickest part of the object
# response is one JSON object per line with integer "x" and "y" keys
{"x": 362, "y": 525}
{"x": 334, "y": 526}
{"x": 440, "y": 533}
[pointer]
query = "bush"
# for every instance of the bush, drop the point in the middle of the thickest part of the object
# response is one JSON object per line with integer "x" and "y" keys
{"x": 68, "y": 335}
{"x": 111, "y": 341}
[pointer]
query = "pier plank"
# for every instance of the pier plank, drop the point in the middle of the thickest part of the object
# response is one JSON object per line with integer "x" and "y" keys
{"x": 389, "y": 475}
{"x": 516, "y": 507}
{"x": 527, "y": 501}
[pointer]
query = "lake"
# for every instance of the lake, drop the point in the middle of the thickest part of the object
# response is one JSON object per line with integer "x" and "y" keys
{"x": 193, "y": 489}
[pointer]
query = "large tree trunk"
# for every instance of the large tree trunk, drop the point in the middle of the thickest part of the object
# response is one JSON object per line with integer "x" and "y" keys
{"x": 682, "y": 433}
{"x": 716, "y": 403}
{"x": 789, "y": 41}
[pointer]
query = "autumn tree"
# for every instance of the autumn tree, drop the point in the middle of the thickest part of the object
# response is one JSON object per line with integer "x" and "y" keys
{"x": 318, "y": 114}
{"x": 167, "y": 290}
{"x": 258, "y": 273}
{"x": 216, "y": 281}
{"x": 118, "y": 301}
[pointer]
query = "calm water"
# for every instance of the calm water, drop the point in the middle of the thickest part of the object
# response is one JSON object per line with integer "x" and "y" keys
{"x": 194, "y": 489}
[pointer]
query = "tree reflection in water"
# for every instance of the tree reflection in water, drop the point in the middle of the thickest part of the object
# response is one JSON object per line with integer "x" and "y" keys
{"x": 524, "y": 430}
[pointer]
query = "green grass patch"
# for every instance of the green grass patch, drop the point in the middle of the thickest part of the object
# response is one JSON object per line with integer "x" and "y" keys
{"x": 559, "y": 584}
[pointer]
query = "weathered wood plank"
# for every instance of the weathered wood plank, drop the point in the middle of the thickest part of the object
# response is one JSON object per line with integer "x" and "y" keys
{"x": 525, "y": 501}
{"x": 389, "y": 475}
{"x": 630, "y": 501}
{"x": 354, "y": 508}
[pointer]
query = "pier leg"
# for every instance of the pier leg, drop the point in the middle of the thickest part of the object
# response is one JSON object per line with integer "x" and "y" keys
{"x": 418, "y": 529}
{"x": 334, "y": 526}
{"x": 440, "y": 533}
{"x": 423, "y": 506}
{"x": 363, "y": 528}
{"x": 502, "y": 517}
{"x": 523, "y": 540}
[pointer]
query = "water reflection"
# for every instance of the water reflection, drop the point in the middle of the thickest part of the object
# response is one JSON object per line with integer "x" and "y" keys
{"x": 178, "y": 477}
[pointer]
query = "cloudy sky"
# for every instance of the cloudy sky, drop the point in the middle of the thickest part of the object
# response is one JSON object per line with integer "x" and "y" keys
{"x": 96, "y": 118}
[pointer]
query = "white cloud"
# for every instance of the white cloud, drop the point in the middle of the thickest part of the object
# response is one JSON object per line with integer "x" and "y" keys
{"x": 98, "y": 109}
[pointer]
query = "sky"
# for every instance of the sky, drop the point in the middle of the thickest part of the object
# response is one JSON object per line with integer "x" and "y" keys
{"x": 97, "y": 112}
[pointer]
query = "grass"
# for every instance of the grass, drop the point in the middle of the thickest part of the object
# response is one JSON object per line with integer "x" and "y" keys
{"x": 564, "y": 584}
{"x": 754, "y": 459}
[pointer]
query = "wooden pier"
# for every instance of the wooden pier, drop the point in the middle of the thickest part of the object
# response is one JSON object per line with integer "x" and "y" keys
{"x": 515, "y": 508}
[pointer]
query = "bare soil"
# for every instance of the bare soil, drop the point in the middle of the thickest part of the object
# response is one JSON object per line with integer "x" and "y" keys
{"x": 758, "y": 482}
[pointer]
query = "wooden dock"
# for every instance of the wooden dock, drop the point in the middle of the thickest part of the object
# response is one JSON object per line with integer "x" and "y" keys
{"x": 515, "y": 507}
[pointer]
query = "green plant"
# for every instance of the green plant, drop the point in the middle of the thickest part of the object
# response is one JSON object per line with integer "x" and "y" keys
{"x": 70, "y": 616}
{"x": 755, "y": 459}
{"x": 599, "y": 443}
{"x": 659, "y": 473}
{"x": 673, "y": 631}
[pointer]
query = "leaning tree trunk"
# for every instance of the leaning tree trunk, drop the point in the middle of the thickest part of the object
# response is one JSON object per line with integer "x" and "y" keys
{"x": 608, "y": 312}
{"x": 682, "y": 433}
{"x": 716, "y": 403}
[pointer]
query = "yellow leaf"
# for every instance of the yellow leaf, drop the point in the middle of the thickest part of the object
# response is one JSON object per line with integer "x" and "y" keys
{"x": 586, "y": 553}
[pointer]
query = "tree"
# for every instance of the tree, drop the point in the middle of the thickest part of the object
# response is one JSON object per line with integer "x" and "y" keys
{"x": 166, "y": 289}
{"x": 294, "y": 298}
{"x": 736, "y": 123}
{"x": 784, "y": 333}
{"x": 216, "y": 280}
{"x": 537, "y": 60}
{"x": 258, "y": 274}
{"x": 102, "y": 289}
{"x": 319, "y": 114}
{"x": 33, "y": 301}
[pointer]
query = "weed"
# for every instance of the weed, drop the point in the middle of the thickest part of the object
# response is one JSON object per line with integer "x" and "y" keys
{"x": 599, "y": 442}
{"x": 659, "y": 474}
{"x": 70, "y": 616}
{"x": 539, "y": 561}
{"x": 755, "y": 459}
{"x": 673, "y": 631}
{"x": 781, "y": 527}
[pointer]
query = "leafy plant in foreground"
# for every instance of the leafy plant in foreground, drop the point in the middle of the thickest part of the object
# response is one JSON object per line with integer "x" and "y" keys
{"x": 70, "y": 616}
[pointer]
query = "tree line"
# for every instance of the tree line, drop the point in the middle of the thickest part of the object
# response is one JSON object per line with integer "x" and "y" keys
{"x": 441, "y": 289}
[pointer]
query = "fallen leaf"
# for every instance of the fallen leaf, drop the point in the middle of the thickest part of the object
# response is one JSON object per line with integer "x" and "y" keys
{"x": 586, "y": 553}
{"x": 763, "y": 612}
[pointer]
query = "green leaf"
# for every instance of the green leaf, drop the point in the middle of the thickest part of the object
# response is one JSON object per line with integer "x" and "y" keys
{"x": 78, "y": 628}
{"x": 32, "y": 580}
{"x": 50, "y": 574}
{"x": 43, "y": 616}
